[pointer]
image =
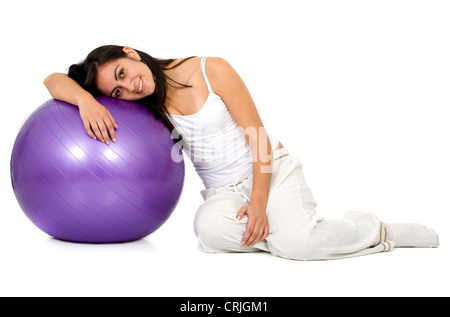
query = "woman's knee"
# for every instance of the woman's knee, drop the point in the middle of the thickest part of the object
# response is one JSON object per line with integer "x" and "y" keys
{"x": 207, "y": 228}
{"x": 216, "y": 227}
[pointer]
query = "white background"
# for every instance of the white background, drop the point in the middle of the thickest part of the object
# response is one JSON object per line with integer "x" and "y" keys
{"x": 359, "y": 90}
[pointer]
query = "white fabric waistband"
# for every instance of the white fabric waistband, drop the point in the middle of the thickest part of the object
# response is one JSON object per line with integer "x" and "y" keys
{"x": 277, "y": 154}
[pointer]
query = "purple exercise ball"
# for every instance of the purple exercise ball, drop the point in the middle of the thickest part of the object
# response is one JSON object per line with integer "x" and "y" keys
{"x": 79, "y": 189}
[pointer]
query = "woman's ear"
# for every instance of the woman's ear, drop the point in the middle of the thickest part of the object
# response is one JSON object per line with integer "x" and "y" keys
{"x": 131, "y": 53}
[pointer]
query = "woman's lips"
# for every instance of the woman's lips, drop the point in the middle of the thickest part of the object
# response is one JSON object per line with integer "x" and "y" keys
{"x": 141, "y": 86}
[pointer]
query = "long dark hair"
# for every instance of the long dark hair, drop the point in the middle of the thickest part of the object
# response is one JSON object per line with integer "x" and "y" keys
{"x": 85, "y": 73}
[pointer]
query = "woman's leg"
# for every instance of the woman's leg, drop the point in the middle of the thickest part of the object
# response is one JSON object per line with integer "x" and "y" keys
{"x": 295, "y": 231}
{"x": 216, "y": 225}
{"x": 412, "y": 235}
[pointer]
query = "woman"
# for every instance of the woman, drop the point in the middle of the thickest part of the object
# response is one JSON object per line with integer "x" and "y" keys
{"x": 255, "y": 195}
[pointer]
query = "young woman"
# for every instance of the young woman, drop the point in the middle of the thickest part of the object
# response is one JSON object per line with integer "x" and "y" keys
{"x": 255, "y": 196}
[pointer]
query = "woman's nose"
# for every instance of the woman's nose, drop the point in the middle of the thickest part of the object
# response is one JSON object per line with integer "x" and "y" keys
{"x": 129, "y": 86}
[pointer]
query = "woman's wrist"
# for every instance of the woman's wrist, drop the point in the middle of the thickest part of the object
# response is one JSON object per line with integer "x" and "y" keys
{"x": 259, "y": 198}
{"x": 83, "y": 97}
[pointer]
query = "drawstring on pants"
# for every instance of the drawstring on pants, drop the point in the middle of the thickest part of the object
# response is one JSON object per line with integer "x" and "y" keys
{"x": 234, "y": 187}
{"x": 280, "y": 153}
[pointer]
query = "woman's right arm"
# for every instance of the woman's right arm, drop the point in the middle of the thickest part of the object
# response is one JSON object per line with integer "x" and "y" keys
{"x": 97, "y": 120}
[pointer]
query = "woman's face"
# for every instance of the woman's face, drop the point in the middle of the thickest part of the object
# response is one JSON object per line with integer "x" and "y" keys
{"x": 126, "y": 78}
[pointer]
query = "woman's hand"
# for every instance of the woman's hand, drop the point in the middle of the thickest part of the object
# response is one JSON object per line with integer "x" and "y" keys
{"x": 257, "y": 225}
{"x": 98, "y": 121}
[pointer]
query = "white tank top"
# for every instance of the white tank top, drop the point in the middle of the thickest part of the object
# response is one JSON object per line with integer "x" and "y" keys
{"x": 213, "y": 141}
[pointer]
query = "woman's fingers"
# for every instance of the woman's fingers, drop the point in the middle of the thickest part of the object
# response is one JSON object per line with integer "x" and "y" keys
{"x": 250, "y": 224}
{"x": 104, "y": 132}
{"x": 257, "y": 226}
{"x": 113, "y": 121}
{"x": 97, "y": 131}
{"x": 101, "y": 129}
{"x": 98, "y": 122}
{"x": 241, "y": 212}
{"x": 247, "y": 234}
{"x": 87, "y": 127}
{"x": 255, "y": 232}
{"x": 256, "y": 235}
{"x": 111, "y": 126}
{"x": 266, "y": 232}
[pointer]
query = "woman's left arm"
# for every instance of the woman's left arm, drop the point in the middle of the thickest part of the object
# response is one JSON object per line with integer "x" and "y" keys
{"x": 226, "y": 82}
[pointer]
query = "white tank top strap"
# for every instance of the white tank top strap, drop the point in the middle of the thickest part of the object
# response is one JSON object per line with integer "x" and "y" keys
{"x": 204, "y": 74}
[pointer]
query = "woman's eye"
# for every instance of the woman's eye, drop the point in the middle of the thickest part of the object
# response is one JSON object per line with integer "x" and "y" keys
{"x": 121, "y": 73}
{"x": 118, "y": 93}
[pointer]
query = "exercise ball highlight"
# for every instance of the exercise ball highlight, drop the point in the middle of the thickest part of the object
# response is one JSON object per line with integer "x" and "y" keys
{"x": 79, "y": 189}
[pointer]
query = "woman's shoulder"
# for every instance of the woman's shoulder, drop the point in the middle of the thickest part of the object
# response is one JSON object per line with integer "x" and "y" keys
{"x": 218, "y": 68}
{"x": 188, "y": 66}
{"x": 193, "y": 62}
{"x": 189, "y": 70}
{"x": 216, "y": 63}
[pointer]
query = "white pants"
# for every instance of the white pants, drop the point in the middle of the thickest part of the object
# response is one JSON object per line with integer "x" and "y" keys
{"x": 295, "y": 231}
